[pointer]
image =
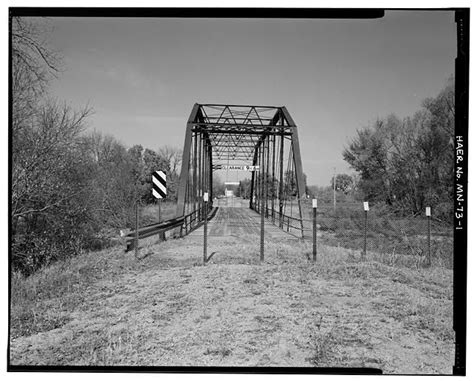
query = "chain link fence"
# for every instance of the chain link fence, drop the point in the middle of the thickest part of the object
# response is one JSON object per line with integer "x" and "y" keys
{"x": 393, "y": 240}
{"x": 415, "y": 241}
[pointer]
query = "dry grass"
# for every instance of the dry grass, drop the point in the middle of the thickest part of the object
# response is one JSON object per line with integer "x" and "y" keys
{"x": 401, "y": 238}
{"x": 108, "y": 308}
{"x": 150, "y": 214}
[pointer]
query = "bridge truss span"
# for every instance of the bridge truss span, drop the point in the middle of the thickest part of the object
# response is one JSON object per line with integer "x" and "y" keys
{"x": 265, "y": 137}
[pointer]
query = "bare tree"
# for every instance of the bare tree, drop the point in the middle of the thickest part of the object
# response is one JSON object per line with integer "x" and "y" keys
{"x": 50, "y": 176}
{"x": 34, "y": 63}
{"x": 173, "y": 156}
{"x": 40, "y": 154}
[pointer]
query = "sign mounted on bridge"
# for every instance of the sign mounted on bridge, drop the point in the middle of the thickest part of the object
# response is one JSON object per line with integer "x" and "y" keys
{"x": 238, "y": 167}
{"x": 159, "y": 184}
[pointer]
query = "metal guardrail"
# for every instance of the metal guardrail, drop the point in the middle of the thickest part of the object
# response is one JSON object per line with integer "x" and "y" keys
{"x": 186, "y": 224}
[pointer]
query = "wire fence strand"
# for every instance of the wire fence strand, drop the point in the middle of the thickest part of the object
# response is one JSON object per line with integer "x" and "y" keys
{"x": 410, "y": 241}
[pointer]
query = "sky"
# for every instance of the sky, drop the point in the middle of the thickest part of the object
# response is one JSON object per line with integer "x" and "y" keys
{"x": 143, "y": 76}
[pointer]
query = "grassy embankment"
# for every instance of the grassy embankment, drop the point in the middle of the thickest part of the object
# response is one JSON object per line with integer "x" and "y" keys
{"x": 107, "y": 308}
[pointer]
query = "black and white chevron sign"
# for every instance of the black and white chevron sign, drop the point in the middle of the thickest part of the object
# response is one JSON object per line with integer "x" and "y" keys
{"x": 159, "y": 184}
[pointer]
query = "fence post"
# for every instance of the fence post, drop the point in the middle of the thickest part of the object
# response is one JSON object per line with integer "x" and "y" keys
{"x": 366, "y": 209}
{"x": 206, "y": 198}
{"x": 136, "y": 229}
{"x": 315, "y": 206}
{"x": 262, "y": 234}
{"x": 428, "y": 214}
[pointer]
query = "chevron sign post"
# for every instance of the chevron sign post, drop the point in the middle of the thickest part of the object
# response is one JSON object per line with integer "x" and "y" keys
{"x": 159, "y": 184}
{"x": 159, "y": 192}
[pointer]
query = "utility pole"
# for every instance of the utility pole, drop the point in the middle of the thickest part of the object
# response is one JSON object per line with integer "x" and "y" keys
{"x": 334, "y": 187}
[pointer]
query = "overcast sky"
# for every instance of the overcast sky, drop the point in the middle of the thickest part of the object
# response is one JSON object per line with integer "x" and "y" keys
{"x": 142, "y": 76}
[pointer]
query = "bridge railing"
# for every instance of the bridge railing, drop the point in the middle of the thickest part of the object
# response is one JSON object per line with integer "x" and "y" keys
{"x": 283, "y": 221}
{"x": 186, "y": 224}
{"x": 287, "y": 223}
{"x": 194, "y": 220}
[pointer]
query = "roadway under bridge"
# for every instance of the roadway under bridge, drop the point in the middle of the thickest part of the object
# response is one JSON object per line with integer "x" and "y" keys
{"x": 235, "y": 218}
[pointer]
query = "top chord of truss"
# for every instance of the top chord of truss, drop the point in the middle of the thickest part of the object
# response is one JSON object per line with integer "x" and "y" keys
{"x": 228, "y": 116}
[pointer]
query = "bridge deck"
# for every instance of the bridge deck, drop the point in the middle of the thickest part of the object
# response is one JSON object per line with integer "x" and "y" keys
{"x": 234, "y": 218}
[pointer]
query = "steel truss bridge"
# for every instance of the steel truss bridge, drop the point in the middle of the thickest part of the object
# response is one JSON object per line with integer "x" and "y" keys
{"x": 265, "y": 136}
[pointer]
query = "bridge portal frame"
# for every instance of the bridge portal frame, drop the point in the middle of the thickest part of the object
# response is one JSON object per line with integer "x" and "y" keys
{"x": 216, "y": 133}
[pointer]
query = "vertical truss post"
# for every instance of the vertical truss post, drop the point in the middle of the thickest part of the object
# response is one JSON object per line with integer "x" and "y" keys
{"x": 199, "y": 175}
{"x": 209, "y": 153}
{"x": 204, "y": 169}
{"x": 184, "y": 175}
{"x": 208, "y": 171}
{"x": 188, "y": 190}
{"x": 298, "y": 164}
{"x": 257, "y": 182}
{"x": 263, "y": 201}
{"x": 267, "y": 172}
{"x": 252, "y": 180}
{"x": 194, "y": 166}
{"x": 259, "y": 179}
{"x": 280, "y": 191}
{"x": 273, "y": 178}
{"x": 204, "y": 259}
{"x": 262, "y": 177}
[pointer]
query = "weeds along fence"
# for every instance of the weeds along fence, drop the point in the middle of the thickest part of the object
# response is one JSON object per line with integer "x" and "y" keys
{"x": 404, "y": 240}
{"x": 412, "y": 241}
